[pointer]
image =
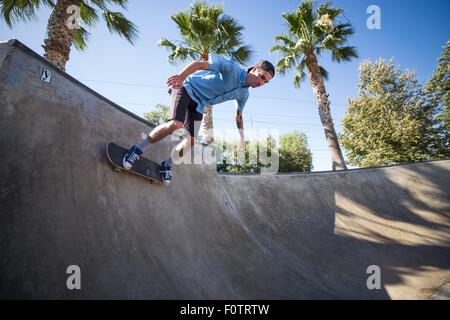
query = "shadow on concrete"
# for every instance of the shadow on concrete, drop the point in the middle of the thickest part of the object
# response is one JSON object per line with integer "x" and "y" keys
{"x": 330, "y": 227}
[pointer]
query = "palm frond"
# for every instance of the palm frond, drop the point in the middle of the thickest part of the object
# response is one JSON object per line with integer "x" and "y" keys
{"x": 49, "y": 3}
{"x": 202, "y": 10}
{"x": 287, "y": 41}
{"x": 306, "y": 35}
{"x": 80, "y": 39}
{"x": 166, "y": 43}
{"x": 117, "y": 23}
{"x": 302, "y": 18}
{"x": 305, "y": 13}
{"x": 285, "y": 63}
{"x": 122, "y": 3}
{"x": 281, "y": 49}
{"x": 182, "y": 53}
{"x": 242, "y": 54}
{"x": 343, "y": 30}
{"x": 228, "y": 27}
{"x": 101, "y": 4}
{"x": 318, "y": 50}
{"x": 340, "y": 54}
{"x": 326, "y": 8}
{"x": 15, "y": 11}
{"x": 323, "y": 72}
{"x": 226, "y": 45}
{"x": 182, "y": 21}
{"x": 88, "y": 14}
{"x": 331, "y": 41}
{"x": 292, "y": 21}
{"x": 300, "y": 74}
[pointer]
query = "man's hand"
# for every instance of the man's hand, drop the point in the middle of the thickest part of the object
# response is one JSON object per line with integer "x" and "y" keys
{"x": 242, "y": 143}
{"x": 240, "y": 126}
{"x": 175, "y": 81}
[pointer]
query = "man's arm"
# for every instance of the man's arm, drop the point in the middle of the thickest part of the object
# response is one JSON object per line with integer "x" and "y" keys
{"x": 176, "y": 81}
{"x": 240, "y": 125}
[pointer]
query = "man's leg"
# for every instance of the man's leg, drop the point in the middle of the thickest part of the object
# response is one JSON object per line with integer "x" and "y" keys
{"x": 163, "y": 130}
{"x": 181, "y": 102}
{"x": 179, "y": 96}
{"x": 188, "y": 141}
{"x": 185, "y": 145}
{"x": 193, "y": 118}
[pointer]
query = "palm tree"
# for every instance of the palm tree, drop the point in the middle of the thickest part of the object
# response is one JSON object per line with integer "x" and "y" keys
{"x": 311, "y": 33}
{"x": 206, "y": 29}
{"x": 60, "y": 33}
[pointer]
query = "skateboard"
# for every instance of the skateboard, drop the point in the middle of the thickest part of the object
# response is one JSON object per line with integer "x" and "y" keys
{"x": 142, "y": 167}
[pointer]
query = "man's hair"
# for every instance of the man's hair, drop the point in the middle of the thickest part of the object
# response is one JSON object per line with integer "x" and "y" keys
{"x": 265, "y": 65}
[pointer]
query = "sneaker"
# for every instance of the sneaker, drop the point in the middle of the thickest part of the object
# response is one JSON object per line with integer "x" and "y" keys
{"x": 130, "y": 157}
{"x": 166, "y": 174}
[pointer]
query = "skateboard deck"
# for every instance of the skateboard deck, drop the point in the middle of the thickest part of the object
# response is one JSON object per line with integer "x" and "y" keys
{"x": 142, "y": 167}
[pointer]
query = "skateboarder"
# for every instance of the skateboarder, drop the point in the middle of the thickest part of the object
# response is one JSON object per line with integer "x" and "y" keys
{"x": 199, "y": 84}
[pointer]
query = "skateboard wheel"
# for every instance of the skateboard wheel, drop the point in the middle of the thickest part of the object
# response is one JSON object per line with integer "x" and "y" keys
{"x": 117, "y": 170}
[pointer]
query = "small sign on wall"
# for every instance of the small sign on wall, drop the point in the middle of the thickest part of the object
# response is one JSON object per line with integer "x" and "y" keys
{"x": 46, "y": 75}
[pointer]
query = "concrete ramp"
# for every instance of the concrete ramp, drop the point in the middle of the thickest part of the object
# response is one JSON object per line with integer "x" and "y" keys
{"x": 207, "y": 236}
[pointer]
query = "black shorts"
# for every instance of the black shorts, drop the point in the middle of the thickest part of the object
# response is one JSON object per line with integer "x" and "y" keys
{"x": 184, "y": 110}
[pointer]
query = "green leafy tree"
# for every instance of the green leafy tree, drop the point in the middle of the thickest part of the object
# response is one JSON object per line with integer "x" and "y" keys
{"x": 60, "y": 36}
{"x": 390, "y": 121}
{"x": 231, "y": 159}
{"x": 205, "y": 29}
{"x": 158, "y": 116}
{"x": 312, "y": 32}
{"x": 295, "y": 155}
{"x": 438, "y": 88}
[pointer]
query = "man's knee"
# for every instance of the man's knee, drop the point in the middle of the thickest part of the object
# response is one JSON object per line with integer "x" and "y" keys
{"x": 173, "y": 125}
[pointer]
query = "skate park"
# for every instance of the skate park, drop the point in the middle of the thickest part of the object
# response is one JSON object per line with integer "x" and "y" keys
{"x": 208, "y": 235}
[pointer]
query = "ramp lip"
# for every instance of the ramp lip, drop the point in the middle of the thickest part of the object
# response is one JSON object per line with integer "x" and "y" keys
{"x": 331, "y": 172}
{"x": 19, "y": 45}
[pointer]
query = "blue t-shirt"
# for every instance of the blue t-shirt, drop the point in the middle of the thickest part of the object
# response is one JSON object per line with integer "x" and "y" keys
{"x": 224, "y": 80}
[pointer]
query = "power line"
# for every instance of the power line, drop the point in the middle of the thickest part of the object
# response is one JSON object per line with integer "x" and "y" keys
{"x": 222, "y": 111}
{"x": 165, "y": 87}
{"x": 280, "y": 122}
{"x": 257, "y": 121}
{"x": 218, "y": 110}
{"x": 271, "y": 122}
{"x": 126, "y": 84}
{"x": 294, "y": 100}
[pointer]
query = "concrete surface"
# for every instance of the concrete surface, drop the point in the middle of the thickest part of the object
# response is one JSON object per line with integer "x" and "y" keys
{"x": 207, "y": 236}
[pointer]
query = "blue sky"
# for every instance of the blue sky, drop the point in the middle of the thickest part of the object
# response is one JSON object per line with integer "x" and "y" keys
{"x": 412, "y": 32}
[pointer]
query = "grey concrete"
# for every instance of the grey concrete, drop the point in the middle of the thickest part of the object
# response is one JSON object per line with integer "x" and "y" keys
{"x": 207, "y": 236}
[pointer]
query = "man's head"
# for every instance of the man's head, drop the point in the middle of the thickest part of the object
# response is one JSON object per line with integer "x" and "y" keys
{"x": 260, "y": 74}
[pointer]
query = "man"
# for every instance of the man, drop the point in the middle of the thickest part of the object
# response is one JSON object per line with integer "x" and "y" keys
{"x": 198, "y": 85}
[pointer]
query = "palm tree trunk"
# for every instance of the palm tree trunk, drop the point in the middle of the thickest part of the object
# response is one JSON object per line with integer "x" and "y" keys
{"x": 59, "y": 37}
{"x": 319, "y": 90}
{"x": 208, "y": 126}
